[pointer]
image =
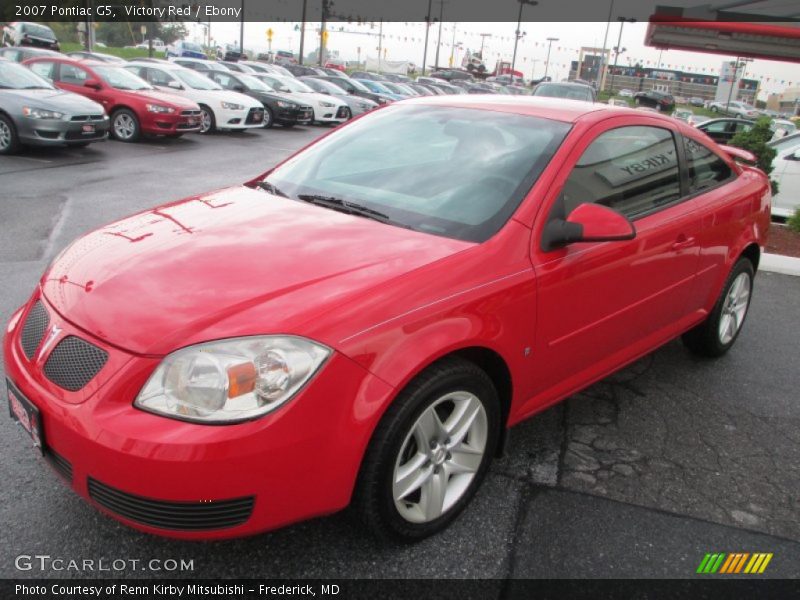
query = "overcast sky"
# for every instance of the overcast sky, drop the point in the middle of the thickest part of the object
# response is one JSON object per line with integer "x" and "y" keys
{"x": 405, "y": 41}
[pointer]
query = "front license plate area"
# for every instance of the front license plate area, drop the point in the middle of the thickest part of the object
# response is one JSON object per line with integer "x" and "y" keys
{"x": 88, "y": 130}
{"x": 26, "y": 414}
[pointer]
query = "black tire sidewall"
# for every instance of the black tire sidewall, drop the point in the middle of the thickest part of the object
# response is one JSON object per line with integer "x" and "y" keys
{"x": 213, "y": 121}
{"x": 407, "y": 409}
{"x": 14, "y": 145}
{"x": 136, "y": 134}
{"x": 269, "y": 118}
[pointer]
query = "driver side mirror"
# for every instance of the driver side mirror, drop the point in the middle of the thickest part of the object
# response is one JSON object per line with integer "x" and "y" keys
{"x": 93, "y": 84}
{"x": 795, "y": 155}
{"x": 587, "y": 223}
{"x": 174, "y": 85}
{"x": 238, "y": 88}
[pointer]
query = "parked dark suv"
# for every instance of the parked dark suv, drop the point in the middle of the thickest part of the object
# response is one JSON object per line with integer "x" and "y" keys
{"x": 653, "y": 99}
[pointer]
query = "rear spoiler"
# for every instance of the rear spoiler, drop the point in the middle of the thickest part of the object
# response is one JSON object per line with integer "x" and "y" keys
{"x": 740, "y": 155}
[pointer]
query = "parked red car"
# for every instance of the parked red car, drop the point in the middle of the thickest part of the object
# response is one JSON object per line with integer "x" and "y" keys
{"x": 362, "y": 323}
{"x": 136, "y": 108}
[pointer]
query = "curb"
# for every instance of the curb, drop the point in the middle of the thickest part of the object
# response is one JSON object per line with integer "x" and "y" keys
{"x": 776, "y": 263}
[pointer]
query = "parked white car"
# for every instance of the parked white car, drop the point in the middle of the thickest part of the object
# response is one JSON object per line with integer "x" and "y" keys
{"x": 327, "y": 109}
{"x": 157, "y": 45}
{"x": 221, "y": 109}
{"x": 786, "y": 171}
{"x": 626, "y": 93}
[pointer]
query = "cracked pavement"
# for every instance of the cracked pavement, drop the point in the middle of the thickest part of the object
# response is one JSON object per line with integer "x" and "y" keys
{"x": 637, "y": 476}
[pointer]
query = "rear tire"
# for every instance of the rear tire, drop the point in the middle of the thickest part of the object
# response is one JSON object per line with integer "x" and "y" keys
{"x": 429, "y": 453}
{"x": 715, "y": 336}
{"x": 9, "y": 140}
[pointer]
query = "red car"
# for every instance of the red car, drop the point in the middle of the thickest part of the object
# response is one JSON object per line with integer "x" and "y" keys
{"x": 363, "y": 322}
{"x": 136, "y": 108}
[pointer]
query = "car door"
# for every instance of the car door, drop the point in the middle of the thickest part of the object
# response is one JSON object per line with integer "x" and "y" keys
{"x": 603, "y": 303}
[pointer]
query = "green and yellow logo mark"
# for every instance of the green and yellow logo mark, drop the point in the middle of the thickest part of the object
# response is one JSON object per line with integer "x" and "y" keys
{"x": 734, "y": 563}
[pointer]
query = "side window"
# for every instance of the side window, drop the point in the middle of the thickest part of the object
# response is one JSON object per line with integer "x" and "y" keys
{"x": 717, "y": 127}
{"x": 72, "y": 74}
{"x": 158, "y": 77}
{"x": 44, "y": 69}
{"x": 706, "y": 169}
{"x": 12, "y": 54}
{"x": 633, "y": 170}
{"x": 743, "y": 127}
{"x": 224, "y": 80}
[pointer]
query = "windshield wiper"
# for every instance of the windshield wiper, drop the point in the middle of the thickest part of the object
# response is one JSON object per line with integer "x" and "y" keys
{"x": 268, "y": 187}
{"x": 350, "y": 208}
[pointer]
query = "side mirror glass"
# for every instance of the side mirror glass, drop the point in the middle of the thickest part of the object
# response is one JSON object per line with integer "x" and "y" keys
{"x": 93, "y": 84}
{"x": 238, "y": 88}
{"x": 796, "y": 155}
{"x": 174, "y": 85}
{"x": 588, "y": 223}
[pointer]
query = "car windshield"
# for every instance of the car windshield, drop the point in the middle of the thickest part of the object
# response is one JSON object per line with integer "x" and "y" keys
{"x": 16, "y": 77}
{"x": 119, "y": 78}
{"x": 376, "y": 87}
{"x": 194, "y": 80}
{"x": 568, "y": 92}
{"x": 295, "y": 85}
{"x": 37, "y": 30}
{"x": 322, "y": 86}
{"x": 191, "y": 47}
{"x": 253, "y": 83}
{"x": 454, "y": 172}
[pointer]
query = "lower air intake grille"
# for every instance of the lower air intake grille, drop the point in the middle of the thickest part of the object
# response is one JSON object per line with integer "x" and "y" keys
{"x": 185, "y": 516}
{"x": 60, "y": 464}
{"x": 73, "y": 363}
{"x": 33, "y": 331}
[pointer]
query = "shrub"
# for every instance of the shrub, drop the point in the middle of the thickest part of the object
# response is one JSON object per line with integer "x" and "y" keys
{"x": 794, "y": 221}
{"x": 755, "y": 141}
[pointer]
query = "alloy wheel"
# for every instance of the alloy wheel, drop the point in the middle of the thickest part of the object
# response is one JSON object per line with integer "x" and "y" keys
{"x": 439, "y": 457}
{"x": 124, "y": 126}
{"x": 734, "y": 308}
{"x": 5, "y": 136}
{"x": 205, "y": 121}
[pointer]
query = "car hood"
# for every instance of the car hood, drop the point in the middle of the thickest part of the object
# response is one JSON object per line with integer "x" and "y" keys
{"x": 234, "y": 262}
{"x": 316, "y": 98}
{"x": 56, "y": 99}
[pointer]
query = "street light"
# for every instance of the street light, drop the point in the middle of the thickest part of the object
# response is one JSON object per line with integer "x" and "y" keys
{"x": 550, "y": 41}
{"x": 517, "y": 34}
{"x": 427, "y": 32}
{"x": 483, "y": 40}
{"x": 619, "y": 50}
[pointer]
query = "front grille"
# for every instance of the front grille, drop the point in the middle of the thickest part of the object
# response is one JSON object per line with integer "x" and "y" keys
{"x": 186, "y": 516}
{"x": 251, "y": 116}
{"x": 188, "y": 126}
{"x": 191, "y": 113}
{"x": 59, "y": 463}
{"x": 73, "y": 363}
{"x": 33, "y": 331}
{"x": 87, "y": 118}
{"x": 343, "y": 112}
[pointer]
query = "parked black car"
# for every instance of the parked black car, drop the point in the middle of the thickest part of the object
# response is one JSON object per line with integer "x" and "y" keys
{"x": 452, "y": 74}
{"x": 723, "y": 130}
{"x": 567, "y": 90}
{"x": 354, "y": 87}
{"x": 653, "y": 99}
{"x": 279, "y": 109}
{"x": 367, "y": 75}
{"x": 22, "y": 33}
{"x": 303, "y": 70}
{"x": 22, "y": 53}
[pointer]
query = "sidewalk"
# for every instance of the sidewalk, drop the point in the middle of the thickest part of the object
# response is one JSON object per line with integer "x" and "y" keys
{"x": 776, "y": 263}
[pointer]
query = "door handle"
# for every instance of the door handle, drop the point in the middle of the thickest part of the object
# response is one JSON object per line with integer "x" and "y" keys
{"x": 683, "y": 242}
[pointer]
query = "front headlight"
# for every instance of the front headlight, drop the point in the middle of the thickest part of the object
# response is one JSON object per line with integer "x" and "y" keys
{"x": 283, "y": 104}
{"x": 234, "y": 380}
{"x": 327, "y": 104}
{"x": 232, "y": 106}
{"x": 157, "y": 108}
{"x": 41, "y": 113}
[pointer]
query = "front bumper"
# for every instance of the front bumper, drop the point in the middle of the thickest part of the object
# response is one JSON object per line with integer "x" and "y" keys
{"x": 334, "y": 114}
{"x": 294, "y": 116}
{"x": 298, "y": 462}
{"x": 49, "y": 132}
{"x": 185, "y": 121}
{"x": 247, "y": 118}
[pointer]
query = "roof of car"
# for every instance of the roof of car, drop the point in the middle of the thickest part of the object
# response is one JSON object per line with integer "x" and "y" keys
{"x": 557, "y": 109}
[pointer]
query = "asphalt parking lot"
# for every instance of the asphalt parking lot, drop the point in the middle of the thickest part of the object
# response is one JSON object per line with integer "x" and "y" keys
{"x": 638, "y": 476}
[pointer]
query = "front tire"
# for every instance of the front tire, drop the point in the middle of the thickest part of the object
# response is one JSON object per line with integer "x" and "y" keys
{"x": 269, "y": 118}
{"x": 208, "y": 123}
{"x": 125, "y": 126}
{"x": 715, "y": 336}
{"x": 9, "y": 140}
{"x": 429, "y": 453}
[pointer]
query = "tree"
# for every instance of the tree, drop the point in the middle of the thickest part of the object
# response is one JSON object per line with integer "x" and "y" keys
{"x": 755, "y": 141}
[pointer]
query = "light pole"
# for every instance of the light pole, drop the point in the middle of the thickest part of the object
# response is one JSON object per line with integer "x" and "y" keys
{"x": 302, "y": 32}
{"x": 427, "y": 32}
{"x": 517, "y": 33}
{"x": 601, "y": 74}
{"x": 550, "y": 41}
{"x": 618, "y": 50}
{"x": 483, "y": 40}
{"x": 241, "y": 33}
{"x": 439, "y": 39}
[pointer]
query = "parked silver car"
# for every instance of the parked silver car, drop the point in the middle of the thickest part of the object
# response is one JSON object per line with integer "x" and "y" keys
{"x": 34, "y": 112}
{"x": 357, "y": 105}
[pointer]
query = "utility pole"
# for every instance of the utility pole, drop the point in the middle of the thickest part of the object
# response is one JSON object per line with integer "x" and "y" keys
{"x": 619, "y": 49}
{"x": 241, "y": 32}
{"x": 439, "y": 40}
{"x": 427, "y": 31}
{"x": 303, "y": 31}
{"x": 323, "y": 34}
{"x": 380, "y": 45}
{"x": 453, "y": 48}
{"x": 483, "y": 39}
{"x": 550, "y": 41}
{"x": 601, "y": 75}
{"x": 518, "y": 34}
